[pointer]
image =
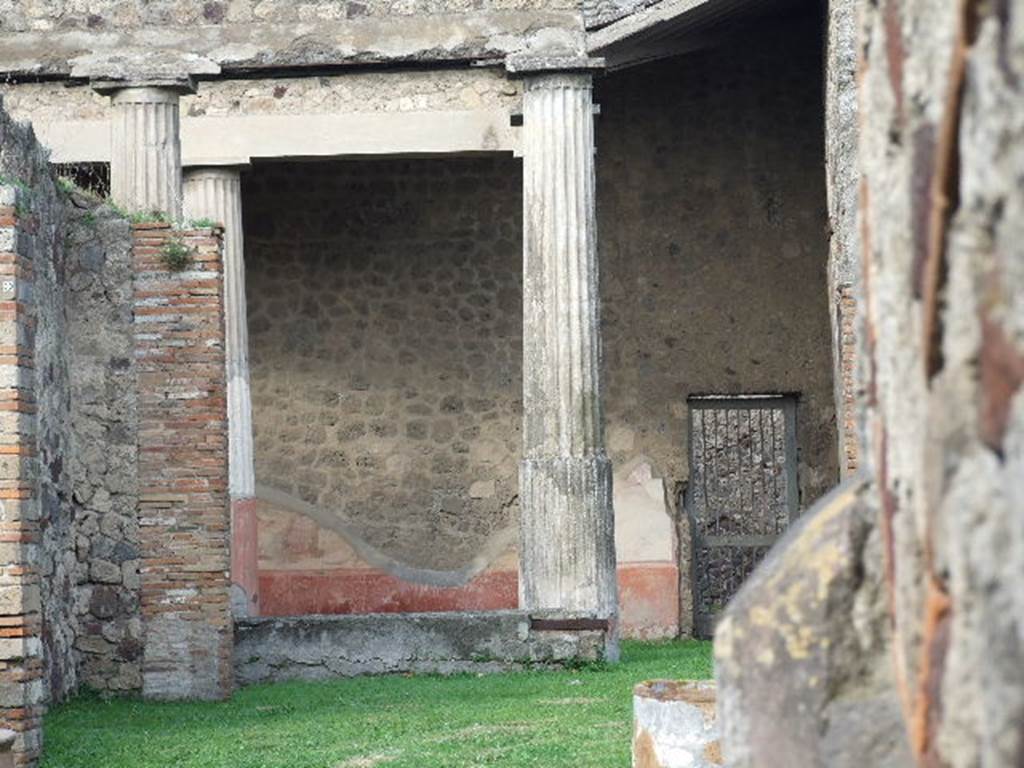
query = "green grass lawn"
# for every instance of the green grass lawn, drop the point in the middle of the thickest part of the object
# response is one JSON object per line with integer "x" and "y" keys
{"x": 539, "y": 718}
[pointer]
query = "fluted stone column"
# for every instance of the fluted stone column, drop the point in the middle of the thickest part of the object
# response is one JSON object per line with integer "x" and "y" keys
{"x": 145, "y": 161}
{"x": 567, "y": 554}
{"x": 216, "y": 194}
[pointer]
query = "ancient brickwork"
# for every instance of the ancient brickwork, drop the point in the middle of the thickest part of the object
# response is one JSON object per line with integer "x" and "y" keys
{"x": 104, "y": 463}
{"x": 184, "y": 518}
{"x": 21, "y": 649}
{"x": 385, "y": 341}
{"x": 37, "y": 565}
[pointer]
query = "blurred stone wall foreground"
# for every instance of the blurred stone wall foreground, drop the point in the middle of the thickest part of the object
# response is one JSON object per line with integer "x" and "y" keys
{"x": 888, "y": 628}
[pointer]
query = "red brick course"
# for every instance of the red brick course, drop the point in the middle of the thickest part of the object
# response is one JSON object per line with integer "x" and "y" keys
{"x": 21, "y": 662}
{"x": 184, "y": 513}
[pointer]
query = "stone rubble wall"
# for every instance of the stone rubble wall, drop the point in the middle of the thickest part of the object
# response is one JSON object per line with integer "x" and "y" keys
{"x": 385, "y": 346}
{"x": 712, "y": 236}
{"x": 713, "y": 261}
{"x": 730, "y": 268}
{"x": 183, "y": 512}
{"x": 104, "y": 464}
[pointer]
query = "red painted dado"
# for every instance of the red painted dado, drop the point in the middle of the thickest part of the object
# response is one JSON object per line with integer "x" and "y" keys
{"x": 649, "y": 600}
{"x": 358, "y": 590}
{"x": 245, "y": 550}
{"x": 648, "y": 595}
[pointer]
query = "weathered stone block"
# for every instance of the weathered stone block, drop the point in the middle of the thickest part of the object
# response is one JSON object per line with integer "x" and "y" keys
{"x": 19, "y": 599}
{"x": 787, "y": 643}
{"x": 321, "y": 647}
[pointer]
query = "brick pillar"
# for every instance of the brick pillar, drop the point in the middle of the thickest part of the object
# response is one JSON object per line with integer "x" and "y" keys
{"x": 184, "y": 517}
{"x": 216, "y": 194}
{"x": 567, "y": 554}
{"x": 21, "y": 662}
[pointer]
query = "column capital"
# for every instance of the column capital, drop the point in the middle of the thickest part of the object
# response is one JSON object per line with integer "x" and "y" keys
{"x": 541, "y": 81}
{"x": 159, "y": 90}
{"x": 528, "y": 64}
{"x": 142, "y": 67}
{"x": 196, "y": 173}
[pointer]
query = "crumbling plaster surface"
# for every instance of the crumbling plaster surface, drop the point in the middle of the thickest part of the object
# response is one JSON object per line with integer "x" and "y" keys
{"x": 946, "y": 338}
{"x": 367, "y": 91}
{"x": 600, "y": 13}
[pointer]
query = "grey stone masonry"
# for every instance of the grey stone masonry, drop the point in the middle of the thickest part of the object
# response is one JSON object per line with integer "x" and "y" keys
{"x": 322, "y": 647}
{"x": 104, "y": 464}
{"x": 567, "y": 559}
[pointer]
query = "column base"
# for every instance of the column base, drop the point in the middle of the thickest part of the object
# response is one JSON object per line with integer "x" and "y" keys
{"x": 245, "y": 601}
{"x": 567, "y": 541}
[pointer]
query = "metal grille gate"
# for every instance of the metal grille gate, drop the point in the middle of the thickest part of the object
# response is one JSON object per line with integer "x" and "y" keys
{"x": 742, "y": 492}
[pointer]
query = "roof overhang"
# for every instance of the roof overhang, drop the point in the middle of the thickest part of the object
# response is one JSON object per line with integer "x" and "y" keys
{"x": 672, "y": 27}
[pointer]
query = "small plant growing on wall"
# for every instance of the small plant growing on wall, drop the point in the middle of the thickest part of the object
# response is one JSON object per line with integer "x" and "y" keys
{"x": 22, "y": 207}
{"x": 176, "y": 256}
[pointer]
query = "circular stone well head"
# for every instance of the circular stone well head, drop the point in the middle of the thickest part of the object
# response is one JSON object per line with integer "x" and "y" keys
{"x": 674, "y": 725}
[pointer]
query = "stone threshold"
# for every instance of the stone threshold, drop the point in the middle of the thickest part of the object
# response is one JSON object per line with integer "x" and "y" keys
{"x": 273, "y": 649}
